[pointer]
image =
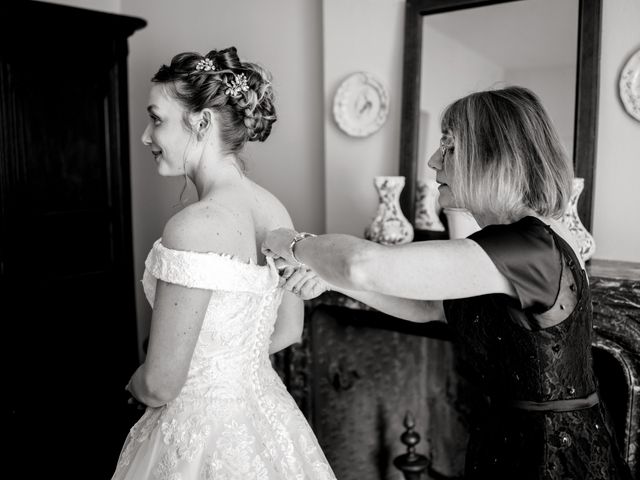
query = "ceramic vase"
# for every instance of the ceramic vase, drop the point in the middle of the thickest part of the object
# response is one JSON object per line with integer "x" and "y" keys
{"x": 390, "y": 226}
{"x": 570, "y": 218}
{"x": 427, "y": 207}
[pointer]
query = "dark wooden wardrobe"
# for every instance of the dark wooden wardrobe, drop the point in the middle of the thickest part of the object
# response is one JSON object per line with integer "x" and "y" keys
{"x": 66, "y": 257}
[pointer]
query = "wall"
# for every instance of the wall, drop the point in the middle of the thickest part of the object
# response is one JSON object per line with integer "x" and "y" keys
{"x": 616, "y": 221}
{"x": 360, "y": 35}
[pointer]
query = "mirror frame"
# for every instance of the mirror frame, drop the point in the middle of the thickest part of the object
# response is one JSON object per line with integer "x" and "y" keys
{"x": 586, "y": 105}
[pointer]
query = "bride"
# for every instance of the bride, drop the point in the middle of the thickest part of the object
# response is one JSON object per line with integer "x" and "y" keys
{"x": 215, "y": 408}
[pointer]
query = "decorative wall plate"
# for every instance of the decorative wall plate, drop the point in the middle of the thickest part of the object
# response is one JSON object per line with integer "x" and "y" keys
{"x": 361, "y": 105}
{"x": 630, "y": 86}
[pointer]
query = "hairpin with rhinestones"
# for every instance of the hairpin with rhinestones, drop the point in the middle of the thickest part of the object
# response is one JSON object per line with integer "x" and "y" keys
{"x": 237, "y": 86}
{"x": 206, "y": 64}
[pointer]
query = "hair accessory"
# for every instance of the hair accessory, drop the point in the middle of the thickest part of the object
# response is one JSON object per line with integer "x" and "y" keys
{"x": 237, "y": 86}
{"x": 205, "y": 64}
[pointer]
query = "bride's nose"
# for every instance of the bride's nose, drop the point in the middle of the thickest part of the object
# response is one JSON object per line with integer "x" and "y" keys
{"x": 146, "y": 137}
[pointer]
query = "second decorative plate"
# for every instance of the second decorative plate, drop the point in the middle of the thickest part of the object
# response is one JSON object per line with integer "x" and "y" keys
{"x": 630, "y": 86}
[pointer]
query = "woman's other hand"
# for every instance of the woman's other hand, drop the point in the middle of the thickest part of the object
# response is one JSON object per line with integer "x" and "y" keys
{"x": 302, "y": 281}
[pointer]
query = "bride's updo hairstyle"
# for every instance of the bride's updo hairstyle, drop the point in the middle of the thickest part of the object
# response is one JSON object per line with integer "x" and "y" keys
{"x": 240, "y": 93}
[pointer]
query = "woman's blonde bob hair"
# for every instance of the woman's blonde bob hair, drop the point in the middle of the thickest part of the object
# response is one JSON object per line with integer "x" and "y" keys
{"x": 507, "y": 158}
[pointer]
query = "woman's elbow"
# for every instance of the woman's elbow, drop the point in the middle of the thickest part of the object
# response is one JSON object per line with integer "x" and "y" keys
{"x": 358, "y": 271}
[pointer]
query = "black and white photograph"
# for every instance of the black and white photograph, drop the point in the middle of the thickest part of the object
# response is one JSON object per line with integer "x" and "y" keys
{"x": 320, "y": 239}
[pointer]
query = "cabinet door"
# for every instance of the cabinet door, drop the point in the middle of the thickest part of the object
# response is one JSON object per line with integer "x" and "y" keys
{"x": 67, "y": 282}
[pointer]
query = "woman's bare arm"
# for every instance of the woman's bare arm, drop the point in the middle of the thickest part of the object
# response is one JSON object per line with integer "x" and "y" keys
{"x": 308, "y": 284}
{"x": 431, "y": 270}
{"x": 419, "y": 311}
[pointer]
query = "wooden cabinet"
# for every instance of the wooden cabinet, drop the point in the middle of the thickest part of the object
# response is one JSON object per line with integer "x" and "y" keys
{"x": 66, "y": 277}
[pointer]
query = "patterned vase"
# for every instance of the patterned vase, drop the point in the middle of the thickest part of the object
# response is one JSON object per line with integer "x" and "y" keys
{"x": 390, "y": 226}
{"x": 427, "y": 206}
{"x": 570, "y": 218}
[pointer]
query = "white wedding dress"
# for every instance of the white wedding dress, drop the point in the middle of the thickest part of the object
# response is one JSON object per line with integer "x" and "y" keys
{"x": 234, "y": 418}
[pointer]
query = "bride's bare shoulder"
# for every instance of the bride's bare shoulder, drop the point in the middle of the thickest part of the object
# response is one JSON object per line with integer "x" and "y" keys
{"x": 207, "y": 227}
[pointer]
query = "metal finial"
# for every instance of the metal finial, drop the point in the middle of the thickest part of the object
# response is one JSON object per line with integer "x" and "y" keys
{"x": 411, "y": 464}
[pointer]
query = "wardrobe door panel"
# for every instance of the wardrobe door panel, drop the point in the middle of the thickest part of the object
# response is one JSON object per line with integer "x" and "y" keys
{"x": 66, "y": 276}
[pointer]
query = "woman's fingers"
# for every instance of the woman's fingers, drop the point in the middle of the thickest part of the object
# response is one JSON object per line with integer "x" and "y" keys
{"x": 313, "y": 287}
{"x": 297, "y": 279}
{"x": 285, "y": 269}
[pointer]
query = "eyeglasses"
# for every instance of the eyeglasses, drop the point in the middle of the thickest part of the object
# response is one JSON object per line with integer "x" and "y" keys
{"x": 444, "y": 146}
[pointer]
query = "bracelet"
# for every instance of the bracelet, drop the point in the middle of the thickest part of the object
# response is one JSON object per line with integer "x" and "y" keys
{"x": 296, "y": 239}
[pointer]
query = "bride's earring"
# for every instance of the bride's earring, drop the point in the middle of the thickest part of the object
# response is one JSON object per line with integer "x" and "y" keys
{"x": 200, "y": 131}
{"x": 202, "y": 127}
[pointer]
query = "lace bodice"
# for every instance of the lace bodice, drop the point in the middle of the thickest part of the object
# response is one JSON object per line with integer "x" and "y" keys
{"x": 239, "y": 320}
{"x": 233, "y": 417}
{"x": 211, "y": 271}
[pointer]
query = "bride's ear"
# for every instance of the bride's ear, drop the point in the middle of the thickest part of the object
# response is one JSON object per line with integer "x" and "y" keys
{"x": 202, "y": 123}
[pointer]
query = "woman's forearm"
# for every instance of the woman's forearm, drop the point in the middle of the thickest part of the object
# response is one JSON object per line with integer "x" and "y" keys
{"x": 405, "y": 308}
{"x": 336, "y": 258}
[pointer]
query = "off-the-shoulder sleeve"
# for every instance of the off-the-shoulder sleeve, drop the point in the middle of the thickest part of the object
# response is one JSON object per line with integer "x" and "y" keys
{"x": 526, "y": 253}
{"x": 209, "y": 271}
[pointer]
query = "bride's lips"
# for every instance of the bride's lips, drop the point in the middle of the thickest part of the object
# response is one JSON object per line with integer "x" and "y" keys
{"x": 156, "y": 153}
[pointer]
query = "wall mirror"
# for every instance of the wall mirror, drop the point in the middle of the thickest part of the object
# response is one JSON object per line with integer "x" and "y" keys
{"x": 455, "y": 47}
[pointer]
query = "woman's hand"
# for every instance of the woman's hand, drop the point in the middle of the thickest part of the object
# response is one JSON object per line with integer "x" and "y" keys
{"x": 277, "y": 242}
{"x": 302, "y": 281}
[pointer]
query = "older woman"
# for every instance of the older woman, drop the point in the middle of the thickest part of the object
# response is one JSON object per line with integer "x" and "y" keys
{"x": 515, "y": 292}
